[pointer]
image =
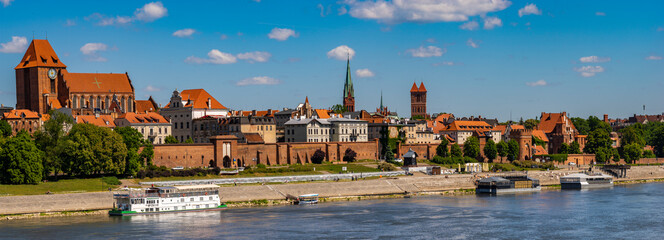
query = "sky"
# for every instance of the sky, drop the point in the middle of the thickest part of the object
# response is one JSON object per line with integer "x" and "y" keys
{"x": 495, "y": 58}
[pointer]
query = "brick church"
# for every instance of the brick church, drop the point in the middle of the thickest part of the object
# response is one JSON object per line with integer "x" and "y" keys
{"x": 43, "y": 83}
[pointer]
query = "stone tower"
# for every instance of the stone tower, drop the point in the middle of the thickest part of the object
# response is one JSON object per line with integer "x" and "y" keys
{"x": 38, "y": 77}
{"x": 418, "y": 101}
{"x": 349, "y": 93}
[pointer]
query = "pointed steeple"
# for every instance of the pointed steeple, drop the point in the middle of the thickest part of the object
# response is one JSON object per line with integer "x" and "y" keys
{"x": 381, "y": 100}
{"x": 306, "y": 100}
{"x": 414, "y": 88}
{"x": 348, "y": 85}
{"x": 422, "y": 89}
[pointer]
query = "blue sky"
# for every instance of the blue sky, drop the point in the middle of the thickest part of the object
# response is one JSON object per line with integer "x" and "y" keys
{"x": 488, "y": 58}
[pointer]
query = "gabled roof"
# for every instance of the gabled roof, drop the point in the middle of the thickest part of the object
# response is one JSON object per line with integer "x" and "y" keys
{"x": 539, "y": 150}
{"x": 97, "y": 82}
{"x": 145, "y": 118}
{"x": 414, "y": 88}
{"x": 19, "y": 114}
{"x": 541, "y": 135}
{"x": 197, "y": 98}
{"x": 549, "y": 121}
{"x": 146, "y": 105}
{"x": 101, "y": 121}
{"x": 40, "y": 54}
{"x": 54, "y": 104}
{"x": 253, "y": 138}
{"x": 322, "y": 113}
{"x": 468, "y": 126}
{"x": 422, "y": 88}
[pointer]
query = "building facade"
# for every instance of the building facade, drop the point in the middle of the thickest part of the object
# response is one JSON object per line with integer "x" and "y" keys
{"x": 460, "y": 131}
{"x": 242, "y": 126}
{"x": 558, "y": 128}
{"x": 326, "y": 130}
{"x": 188, "y": 105}
{"x": 24, "y": 120}
{"x": 154, "y": 127}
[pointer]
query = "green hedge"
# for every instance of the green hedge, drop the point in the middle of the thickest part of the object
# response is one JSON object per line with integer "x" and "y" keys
{"x": 453, "y": 160}
{"x": 553, "y": 157}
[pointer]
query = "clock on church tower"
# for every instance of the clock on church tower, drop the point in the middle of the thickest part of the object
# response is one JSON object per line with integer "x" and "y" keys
{"x": 36, "y": 77}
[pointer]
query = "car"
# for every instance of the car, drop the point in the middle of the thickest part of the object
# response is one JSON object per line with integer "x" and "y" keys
{"x": 572, "y": 163}
{"x": 398, "y": 160}
{"x": 178, "y": 168}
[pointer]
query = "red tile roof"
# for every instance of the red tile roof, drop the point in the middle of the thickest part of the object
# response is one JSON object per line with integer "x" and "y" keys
{"x": 19, "y": 114}
{"x": 322, "y": 113}
{"x": 146, "y": 106}
{"x": 539, "y": 150}
{"x": 253, "y": 138}
{"x": 549, "y": 121}
{"x": 98, "y": 82}
{"x": 101, "y": 121}
{"x": 149, "y": 117}
{"x": 541, "y": 135}
{"x": 468, "y": 126}
{"x": 40, "y": 54}
{"x": 414, "y": 88}
{"x": 422, "y": 88}
{"x": 198, "y": 99}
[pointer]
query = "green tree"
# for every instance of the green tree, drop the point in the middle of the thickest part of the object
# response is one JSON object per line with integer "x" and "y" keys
{"x": 338, "y": 108}
{"x": 441, "y": 150}
{"x": 648, "y": 154}
{"x": 389, "y": 155}
{"x": 318, "y": 157}
{"x": 147, "y": 154}
{"x": 171, "y": 140}
{"x": 456, "y": 151}
{"x": 133, "y": 140}
{"x": 632, "y": 152}
{"x": 574, "y": 148}
{"x": 595, "y": 123}
{"x": 598, "y": 139}
{"x": 189, "y": 141}
{"x": 603, "y": 155}
{"x": 20, "y": 160}
{"x": 471, "y": 148}
{"x": 502, "y": 148}
{"x": 48, "y": 139}
{"x": 632, "y": 135}
{"x": 349, "y": 155}
{"x": 657, "y": 139}
{"x": 616, "y": 155}
{"x": 512, "y": 150}
{"x": 89, "y": 149}
{"x": 531, "y": 123}
{"x": 490, "y": 150}
{"x": 5, "y": 129}
{"x": 581, "y": 125}
{"x": 563, "y": 149}
{"x": 539, "y": 142}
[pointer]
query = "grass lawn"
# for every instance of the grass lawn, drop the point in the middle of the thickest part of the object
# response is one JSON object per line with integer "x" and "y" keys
{"x": 62, "y": 186}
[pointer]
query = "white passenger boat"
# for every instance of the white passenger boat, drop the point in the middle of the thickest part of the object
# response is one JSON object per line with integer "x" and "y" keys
{"x": 307, "y": 199}
{"x": 585, "y": 181}
{"x": 167, "y": 199}
{"x": 507, "y": 184}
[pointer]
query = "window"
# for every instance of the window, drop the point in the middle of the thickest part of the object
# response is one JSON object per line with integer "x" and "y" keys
{"x": 187, "y": 125}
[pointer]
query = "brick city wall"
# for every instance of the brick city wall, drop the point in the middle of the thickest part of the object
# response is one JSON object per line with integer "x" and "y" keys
{"x": 200, "y": 155}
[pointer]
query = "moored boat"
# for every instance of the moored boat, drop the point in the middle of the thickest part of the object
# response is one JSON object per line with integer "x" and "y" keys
{"x": 167, "y": 199}
{"x": 585, "y": 181}
{"x": 507, "y": 184}
{"x": 307, "y": 199}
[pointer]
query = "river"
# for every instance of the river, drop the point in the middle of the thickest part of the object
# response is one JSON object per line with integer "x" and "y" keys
{"x": 622, "y": 212}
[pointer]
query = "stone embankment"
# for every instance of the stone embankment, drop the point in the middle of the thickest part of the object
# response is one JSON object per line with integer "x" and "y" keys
{"x": 385, "y": 186}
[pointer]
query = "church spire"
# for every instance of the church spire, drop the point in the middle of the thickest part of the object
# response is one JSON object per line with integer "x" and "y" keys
{"x": 381, "y": 100}
{"x": 348, "y": 85}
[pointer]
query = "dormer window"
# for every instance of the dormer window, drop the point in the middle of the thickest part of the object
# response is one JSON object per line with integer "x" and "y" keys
{"x": 54, "y": 60}
{"x": 43, "y": 59}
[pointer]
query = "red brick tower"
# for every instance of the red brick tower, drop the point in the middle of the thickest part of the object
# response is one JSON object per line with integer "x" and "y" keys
{"x": 418, "y": 101}
{"x": 38, "y": 77}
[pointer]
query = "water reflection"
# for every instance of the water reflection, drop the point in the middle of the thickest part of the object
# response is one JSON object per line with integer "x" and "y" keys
{"x": 631, "y": 211}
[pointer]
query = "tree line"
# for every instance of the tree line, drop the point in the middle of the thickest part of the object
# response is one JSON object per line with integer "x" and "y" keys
{"x": 62, "y": 147}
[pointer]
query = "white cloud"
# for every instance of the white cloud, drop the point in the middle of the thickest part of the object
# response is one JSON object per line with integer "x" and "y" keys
{"x": 589, "y": 71}
{"x": 399, "y": 11}
{"x": 6, "y": 3}
{"x": 223, "y": 37}
{"x": 537, "y": 83}
{"x": 70, "y": 23}
{"x": 446, "y": 63}
{"x": 472, "y": 44}
{"x": 529, "y": 9}
{"x": 342, "y": 10}
{"x": 594, "y": 59}
{"x": 282, "y": 34}
{"x": 151, "y": 88}
{"x": 600, "y": 14}
{"x": 470, "y": 26}
{"x": 492, "y": 22}
{"x": 255, "y": 56}
{"x": 148, "y": 13}
{"x": 17, "y": 45}
{"x": 262, "y": 80}
{"x": 91, "y": 51}
{"x": 341, "y": 53}
{"x": 151, "y": 11}
{"x": 653, "y": 57}
{"x": 430, "y": 51}
{"x": 363, "y": 73}
{"x": 187, "y": 32}
{"x": 215, "y": 57}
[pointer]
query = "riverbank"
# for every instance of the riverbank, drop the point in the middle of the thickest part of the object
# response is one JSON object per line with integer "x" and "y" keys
{"x": 275, "y": 194}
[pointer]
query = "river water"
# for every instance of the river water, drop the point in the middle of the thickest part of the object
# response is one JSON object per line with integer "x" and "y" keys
{"x": 622, "y": 212}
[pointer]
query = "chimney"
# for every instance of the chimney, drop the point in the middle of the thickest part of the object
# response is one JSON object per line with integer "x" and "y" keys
{"x": 253, "y": 112}
{"x": 606, "y": 117}
{"x": 269, "y": 112}
{"x": 209, "y": 103}
{"x": 239, "y": 113}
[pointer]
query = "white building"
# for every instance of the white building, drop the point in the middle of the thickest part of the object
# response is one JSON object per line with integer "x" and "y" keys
{"x": 153, "y": 126}
{"x": 326, "y": 130}
{"x": 188, "y": 105}
{"x": 460, "y": 131}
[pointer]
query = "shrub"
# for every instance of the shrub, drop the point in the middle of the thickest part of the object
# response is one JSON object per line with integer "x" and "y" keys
{"x": 349, "y": 155}
{"x": 386, "y": 167}
{"x": 318, "y": 157}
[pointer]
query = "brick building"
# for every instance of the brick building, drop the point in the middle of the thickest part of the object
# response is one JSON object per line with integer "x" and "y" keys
{"x": 349, "y": 92}
{"x": 558, "y": 128}
{"x": 154, "y": 127}
{"x": 23, "y": 119}
{"x": 43, "y": 83}
{"x": 188, "y": 105}
{"x": 250, "y": 128}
